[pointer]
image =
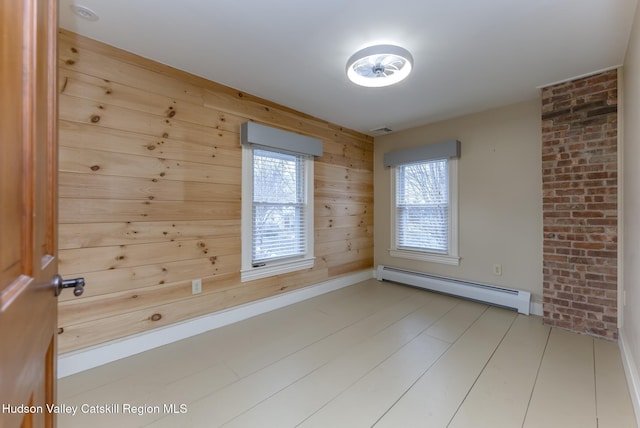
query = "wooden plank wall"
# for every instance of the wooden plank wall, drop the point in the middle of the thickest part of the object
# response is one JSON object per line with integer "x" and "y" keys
{"x": 150, "y": 176}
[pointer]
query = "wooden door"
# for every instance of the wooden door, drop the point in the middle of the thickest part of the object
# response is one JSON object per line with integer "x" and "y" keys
{"x": 28, "y": 152}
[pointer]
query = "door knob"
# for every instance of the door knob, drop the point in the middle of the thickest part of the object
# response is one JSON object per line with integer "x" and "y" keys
{"x": 59, "y": 284}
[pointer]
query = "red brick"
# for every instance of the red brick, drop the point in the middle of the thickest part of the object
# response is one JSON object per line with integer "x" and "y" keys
{"x": 579, "y": 174}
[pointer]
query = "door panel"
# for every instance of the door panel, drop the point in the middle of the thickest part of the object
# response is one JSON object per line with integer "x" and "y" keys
{"x": 28, "y": 165}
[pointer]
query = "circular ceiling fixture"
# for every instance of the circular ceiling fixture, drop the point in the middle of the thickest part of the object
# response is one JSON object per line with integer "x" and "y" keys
{"x": 380, "y": 65}
{"x": 84, "y": 12}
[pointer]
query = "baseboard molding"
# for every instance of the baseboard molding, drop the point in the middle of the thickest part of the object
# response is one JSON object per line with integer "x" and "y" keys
{"x": 95, "y": 356}
{"x": 631, "y": 373}
{"x": 536, "y": 309}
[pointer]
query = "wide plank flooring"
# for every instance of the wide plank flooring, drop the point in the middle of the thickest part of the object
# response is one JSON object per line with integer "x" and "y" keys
{"x": 375, "y": 354}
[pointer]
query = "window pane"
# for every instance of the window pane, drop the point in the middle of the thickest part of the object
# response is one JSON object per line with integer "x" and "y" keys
{"x": 278, "y": 205}
{"x": 422, "y": 206}
{"x": 277, "y": 177}
{"x": 277, "y": 232}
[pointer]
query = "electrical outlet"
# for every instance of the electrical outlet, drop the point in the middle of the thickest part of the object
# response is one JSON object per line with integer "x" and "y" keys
{"x": 196, "y": 286}
{"x": 497, "y": 270}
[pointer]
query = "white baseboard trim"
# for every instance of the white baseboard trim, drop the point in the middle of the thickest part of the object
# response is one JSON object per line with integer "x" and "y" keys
{"x": 88, "y": 358}
{"x": 631, "y": 373}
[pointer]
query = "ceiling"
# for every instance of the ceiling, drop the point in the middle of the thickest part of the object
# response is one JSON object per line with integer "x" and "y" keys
{"x": 469, "y": 55}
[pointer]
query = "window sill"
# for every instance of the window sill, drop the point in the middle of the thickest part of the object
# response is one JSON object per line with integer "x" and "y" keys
{"x": 426, "y": 257}
{"x": 275, "y": 269}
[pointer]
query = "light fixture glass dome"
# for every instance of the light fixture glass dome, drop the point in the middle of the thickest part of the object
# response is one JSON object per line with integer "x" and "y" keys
{"x": 84, "y": 12}
{"x": 380, "y": 65}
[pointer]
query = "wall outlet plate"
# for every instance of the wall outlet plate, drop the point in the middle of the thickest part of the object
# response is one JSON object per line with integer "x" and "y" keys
{"x": 196, "y": 286}
{"x": 497, "y": 270}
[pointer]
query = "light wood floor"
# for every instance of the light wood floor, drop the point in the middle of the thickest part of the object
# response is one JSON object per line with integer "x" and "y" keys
{"x": 373, "y": 354}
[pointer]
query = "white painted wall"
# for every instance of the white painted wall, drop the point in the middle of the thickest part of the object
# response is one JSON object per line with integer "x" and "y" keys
{"x": 500, "y": 195}
{"x": 630, "y": 331}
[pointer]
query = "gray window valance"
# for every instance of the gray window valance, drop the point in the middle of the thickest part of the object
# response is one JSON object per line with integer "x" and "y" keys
{"x": 445, "y": 150}
{"x": 266, "y": 136}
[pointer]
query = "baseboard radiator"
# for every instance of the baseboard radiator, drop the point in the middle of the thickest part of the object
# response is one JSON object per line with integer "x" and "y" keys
{"x": 498, "y": 296}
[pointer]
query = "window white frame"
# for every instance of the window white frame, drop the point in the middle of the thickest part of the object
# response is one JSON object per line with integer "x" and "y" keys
{"x": 266, "y": 268}
{"x": 451, "y": 256}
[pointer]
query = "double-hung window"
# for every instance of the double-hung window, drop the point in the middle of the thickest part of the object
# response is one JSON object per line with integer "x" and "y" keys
{"x": 424, "y": 203}
{"x": 279, "y": 211}
{"x": 277, "y": 201}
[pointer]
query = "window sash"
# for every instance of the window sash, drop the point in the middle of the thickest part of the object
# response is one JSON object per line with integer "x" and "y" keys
{"x": 279, "y": 208}
{"x": 422, "y": 204}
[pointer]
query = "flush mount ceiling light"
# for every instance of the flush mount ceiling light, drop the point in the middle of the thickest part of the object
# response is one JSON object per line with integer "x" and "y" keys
{"x": 84, "y": 12}
{"x": 380, "y": 65}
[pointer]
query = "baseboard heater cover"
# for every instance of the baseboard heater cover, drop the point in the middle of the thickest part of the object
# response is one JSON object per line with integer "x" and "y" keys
{"x": 499, "y": 296}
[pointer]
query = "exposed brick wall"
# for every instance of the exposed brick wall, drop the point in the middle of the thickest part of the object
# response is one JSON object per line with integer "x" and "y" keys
{"x": 579, "y": 174}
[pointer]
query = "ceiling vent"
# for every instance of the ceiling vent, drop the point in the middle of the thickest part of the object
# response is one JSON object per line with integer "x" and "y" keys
{"x": 380, "y": 131}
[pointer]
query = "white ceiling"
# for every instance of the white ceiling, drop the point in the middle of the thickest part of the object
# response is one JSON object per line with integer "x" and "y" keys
{"x": 469, "y": 55}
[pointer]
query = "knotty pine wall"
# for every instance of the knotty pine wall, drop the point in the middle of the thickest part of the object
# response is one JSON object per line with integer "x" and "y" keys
{"x": 149, "y": 195}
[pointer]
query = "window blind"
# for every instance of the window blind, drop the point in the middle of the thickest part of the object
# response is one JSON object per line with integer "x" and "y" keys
{"x": 422, "y": 206}
{"x": 279, "y": 205}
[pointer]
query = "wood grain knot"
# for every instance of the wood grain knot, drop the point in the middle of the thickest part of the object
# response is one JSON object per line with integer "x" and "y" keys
{"x": 95, "y": 118}
{"x": 156, "y": 317}
{"x": 172, "y": 113}
{"x": 95, "y": 167}
{"x": 69, "y": 62}
{"x": 60, "y": 330}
